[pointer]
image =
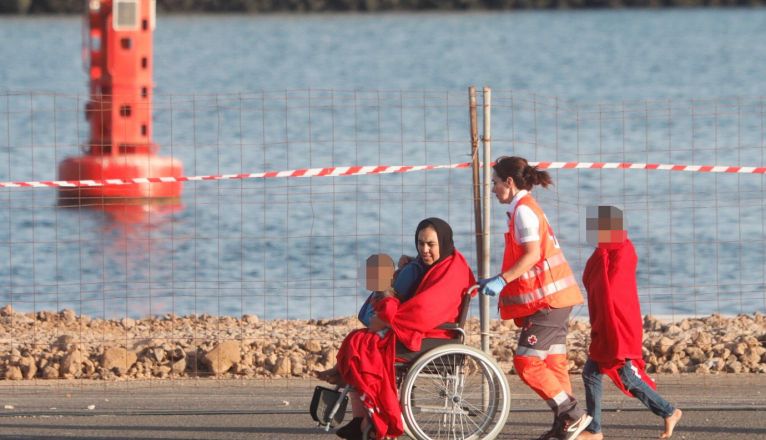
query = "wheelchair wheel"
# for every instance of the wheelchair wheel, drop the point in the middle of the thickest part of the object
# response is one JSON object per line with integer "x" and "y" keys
{"x": 454, "y": 392}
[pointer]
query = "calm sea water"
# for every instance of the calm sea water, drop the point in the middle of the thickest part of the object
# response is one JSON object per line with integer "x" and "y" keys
{"x": 291, "y": 249}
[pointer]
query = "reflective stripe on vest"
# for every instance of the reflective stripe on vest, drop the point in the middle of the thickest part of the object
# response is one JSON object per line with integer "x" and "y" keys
{"x": 554, "y": 261}
{"x": 537, "y": 294}
{"x": 542, "y": 354}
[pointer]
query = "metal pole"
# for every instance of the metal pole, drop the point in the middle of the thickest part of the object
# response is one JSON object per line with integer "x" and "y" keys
{"x": 487, "y": 141}
{"x": 476, "y": 178}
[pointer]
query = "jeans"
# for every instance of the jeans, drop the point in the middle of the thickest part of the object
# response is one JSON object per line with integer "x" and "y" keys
{"x": 593, "y": 379}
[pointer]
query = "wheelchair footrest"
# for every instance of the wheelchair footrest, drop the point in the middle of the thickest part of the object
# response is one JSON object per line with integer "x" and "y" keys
{"x": 328, "y": 406}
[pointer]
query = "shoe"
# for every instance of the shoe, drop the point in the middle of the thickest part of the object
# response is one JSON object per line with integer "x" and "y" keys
{"x": 351, "y": 430}
{"x": 554, "y": 433}
{"x": 573, "y": 428}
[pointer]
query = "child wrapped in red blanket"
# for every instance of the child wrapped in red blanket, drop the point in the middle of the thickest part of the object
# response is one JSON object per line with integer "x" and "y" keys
{"x": 616, "y": 323}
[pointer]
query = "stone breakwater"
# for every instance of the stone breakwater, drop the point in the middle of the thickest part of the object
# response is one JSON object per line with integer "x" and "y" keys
{"x": 50, "y": 345}
{"x": 266, "y": 6}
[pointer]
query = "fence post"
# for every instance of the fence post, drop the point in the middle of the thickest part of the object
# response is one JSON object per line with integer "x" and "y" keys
{"x": 485, "y": 230}
{"x": 476, "y": 177}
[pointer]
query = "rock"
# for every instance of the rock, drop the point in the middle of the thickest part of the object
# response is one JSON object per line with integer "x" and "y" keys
{"x": 715, "y": 364}
{"x": 673, "y": 330}
{"x": 751, "y": 341}
{"x": 733, "y": 366}
{"x": 221, "y": 358}
{"x": 739, "y": 349}
{"x": 250, "y": 319}
{"x": 64, "y": 341}
{"x": 68, "y": 315}
{"x": 329, "y": 355}
{"x": 669, "y": 367}
{"x": 44, "y": 316}
{"x": 751, "y": 357}
{"x": 7, "y": 310}
{"x": 663, "y": 345}
{"x": 118, "y": 359}
{"x": 243, "y": 370}
{"x": 652, "y": 324}
{"x": 703, "y": 341}
{"x": 51, "y": 372}
{"x": 580, "y": 357}
{"x": 28, "y": 367}
{"x": 128, "y": 323}
{"x": 282, "y": 367}
{"x": 178, "y": 367}
{"x": 696, "y": 355}
{"x": 679, "y": 347}
{"x": 71, "y": 364}
{"x": 89, "y": 368}
{"x": 580, "y": 326}
{"x": 13, "y": 373}
{"x": 313, "y": 346}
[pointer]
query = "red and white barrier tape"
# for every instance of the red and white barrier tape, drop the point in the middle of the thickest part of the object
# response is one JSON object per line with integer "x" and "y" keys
{"x": 379, "y": 169}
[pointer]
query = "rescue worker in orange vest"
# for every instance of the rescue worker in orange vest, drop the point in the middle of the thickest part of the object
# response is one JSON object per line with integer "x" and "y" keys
{"x": 537, "y": 290}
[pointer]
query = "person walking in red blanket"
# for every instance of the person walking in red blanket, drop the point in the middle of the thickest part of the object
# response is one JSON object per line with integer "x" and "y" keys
{"x": 537, "y": 290}
{"x": 616, "y": 323}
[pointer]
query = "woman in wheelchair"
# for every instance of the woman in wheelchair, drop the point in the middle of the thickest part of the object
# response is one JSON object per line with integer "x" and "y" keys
{"x": 366, "y": 359}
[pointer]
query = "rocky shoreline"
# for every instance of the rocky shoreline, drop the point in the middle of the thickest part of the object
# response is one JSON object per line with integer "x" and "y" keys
{"x": 269, "y": 6}
{"x": 62, "y": 345}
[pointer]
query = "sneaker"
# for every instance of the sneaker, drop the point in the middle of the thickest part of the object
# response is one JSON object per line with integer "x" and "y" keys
{"x": 554, "y": 433}
{"x": 573, "y": 428}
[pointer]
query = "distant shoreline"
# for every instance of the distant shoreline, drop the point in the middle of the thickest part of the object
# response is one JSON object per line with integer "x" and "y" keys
{"x": 39, "y": 7}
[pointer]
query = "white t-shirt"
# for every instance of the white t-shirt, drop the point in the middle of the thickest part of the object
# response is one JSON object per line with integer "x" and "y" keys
{"x": 526, "y": 225}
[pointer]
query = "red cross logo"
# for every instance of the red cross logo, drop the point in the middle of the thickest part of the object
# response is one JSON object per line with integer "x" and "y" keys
{"x": 532, "y": 339}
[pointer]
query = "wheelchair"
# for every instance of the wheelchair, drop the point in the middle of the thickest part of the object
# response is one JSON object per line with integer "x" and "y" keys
{"x": 448, "y": 390}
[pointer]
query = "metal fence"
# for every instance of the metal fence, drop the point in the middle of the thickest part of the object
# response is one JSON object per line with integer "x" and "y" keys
{"x": 292, "y": 248}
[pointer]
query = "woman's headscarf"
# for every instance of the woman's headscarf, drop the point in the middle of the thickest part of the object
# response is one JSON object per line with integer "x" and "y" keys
{"x": 443, "y": 233}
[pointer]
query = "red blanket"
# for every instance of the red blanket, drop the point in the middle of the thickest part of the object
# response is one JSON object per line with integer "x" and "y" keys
{"x": 367, "y": 362}
{"x": 615, "y": 312}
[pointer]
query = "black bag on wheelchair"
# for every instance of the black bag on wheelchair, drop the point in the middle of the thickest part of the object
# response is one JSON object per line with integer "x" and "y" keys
{"x": 322, "y": 405}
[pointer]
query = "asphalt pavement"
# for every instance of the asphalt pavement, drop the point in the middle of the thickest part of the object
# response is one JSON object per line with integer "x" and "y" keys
{"x": 715, "y": 407}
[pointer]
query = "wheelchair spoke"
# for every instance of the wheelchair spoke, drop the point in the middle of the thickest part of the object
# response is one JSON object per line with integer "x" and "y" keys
{"x": 456, "y": 393}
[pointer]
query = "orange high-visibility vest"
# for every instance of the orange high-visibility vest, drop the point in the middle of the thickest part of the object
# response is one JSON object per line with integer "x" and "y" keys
{"x": 548, "y": 284}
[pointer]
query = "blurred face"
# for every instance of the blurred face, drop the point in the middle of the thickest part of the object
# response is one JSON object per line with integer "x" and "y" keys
{"x": 604, "y": 225}
{"x": 428, "y": 245}
{"x": 504, "y": 189}
{"x": 380, "y": 272}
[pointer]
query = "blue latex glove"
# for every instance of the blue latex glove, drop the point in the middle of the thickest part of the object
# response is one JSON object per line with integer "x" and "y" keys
{"x": 492, "y": 286}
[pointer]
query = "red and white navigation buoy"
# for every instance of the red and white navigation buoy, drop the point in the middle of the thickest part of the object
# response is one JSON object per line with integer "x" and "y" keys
{"x": 118, "y": 56}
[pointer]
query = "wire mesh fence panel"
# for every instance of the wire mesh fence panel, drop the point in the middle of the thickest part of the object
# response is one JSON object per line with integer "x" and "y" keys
{"x": 232, "y": 260}
{"x": 259, "y": 278}
{"x": 699, "y": 235}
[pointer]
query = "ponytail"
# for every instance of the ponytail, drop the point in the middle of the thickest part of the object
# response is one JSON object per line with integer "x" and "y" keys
{"x": 524, "y": 176}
